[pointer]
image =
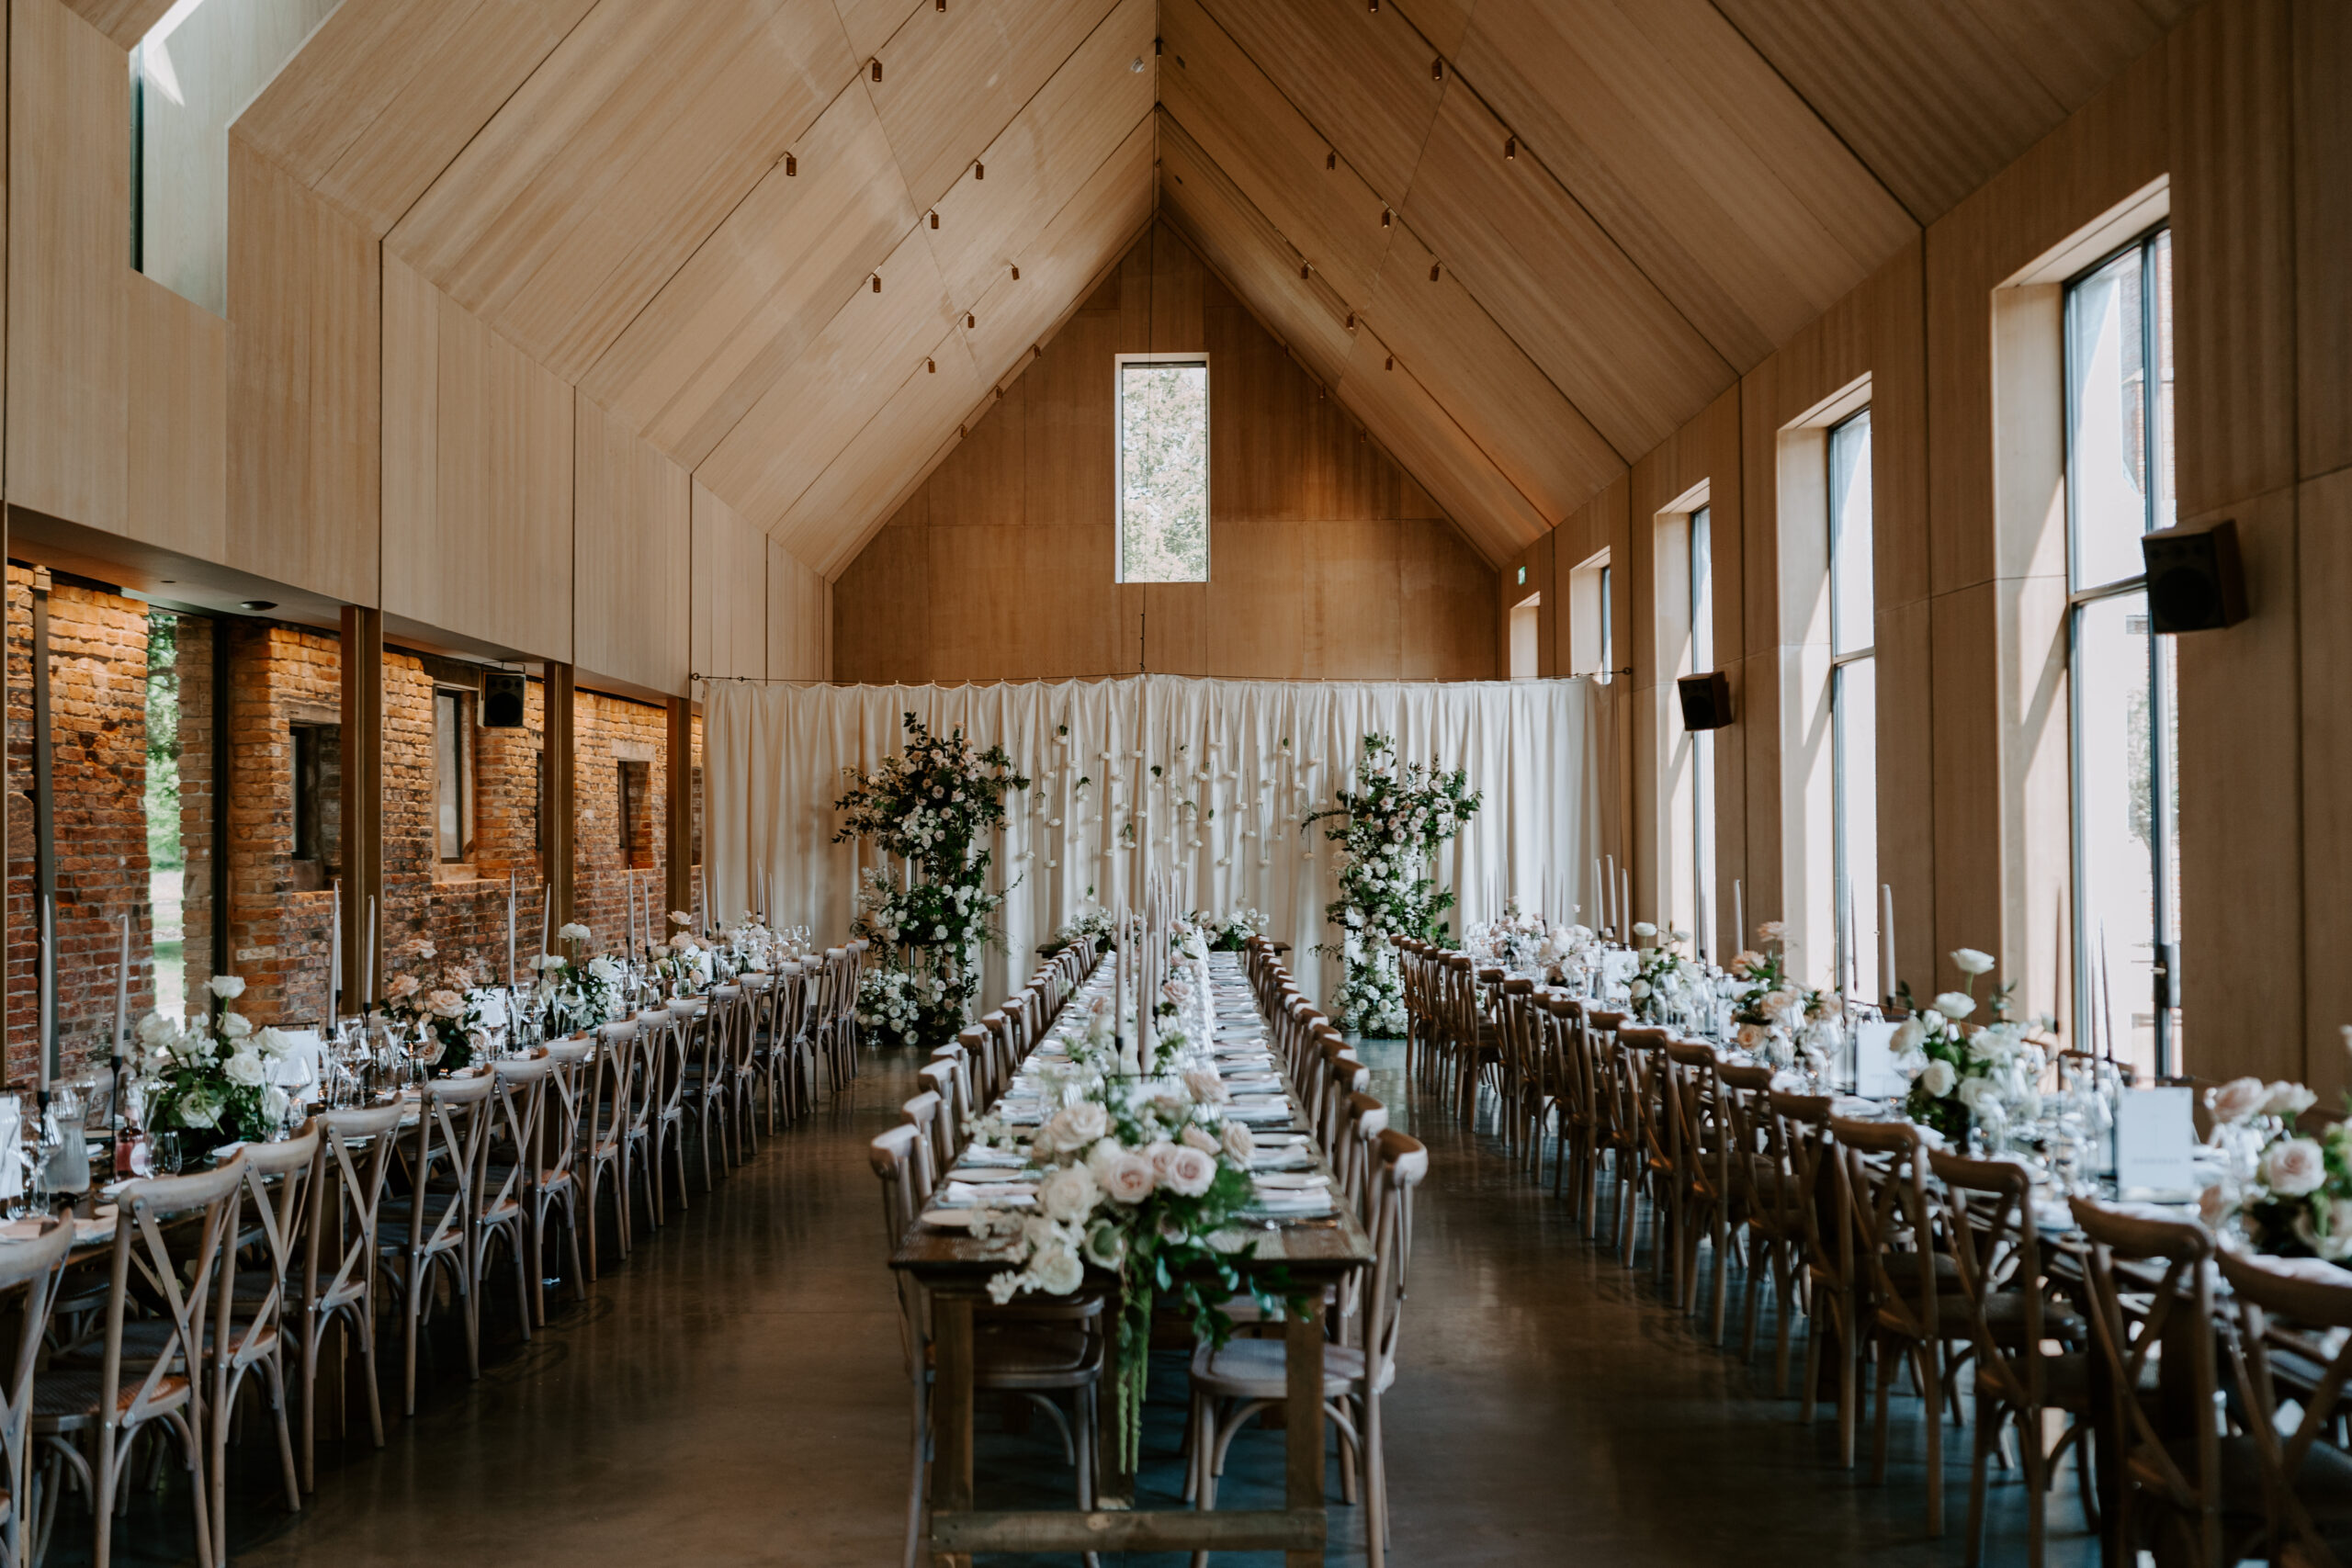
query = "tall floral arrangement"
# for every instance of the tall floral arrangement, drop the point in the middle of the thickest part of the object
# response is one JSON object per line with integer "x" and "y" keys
{"x": 577, "y": 992}
{"x": 212, "y": 1076}
{"x": 930, "y": 808}
{"x": 1517, "y": 940}
{"x": 1775, "y": 1018}
{"x": 1142, "y": 1178}
{"x": 434, "y": 996}
{"x": 1388, "y": 830}
{"x": 2282, "y": 1190}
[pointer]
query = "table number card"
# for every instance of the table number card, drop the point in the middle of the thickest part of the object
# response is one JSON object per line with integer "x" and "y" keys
{"x": 2155, "y": 1142}
{"x": 1875, "y": 1074}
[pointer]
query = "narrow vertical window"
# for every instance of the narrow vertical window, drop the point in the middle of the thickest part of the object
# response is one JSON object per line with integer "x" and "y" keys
{"x": 1853, "y": 707}
{"x": 1607, "y": 627}
{"x": 2125, "y": 744}
{"x": 452, "y": 774}
{"x": 1163, "y": 430}
{"x": 636, "y": 813}
{"x": 1701, "y": 544}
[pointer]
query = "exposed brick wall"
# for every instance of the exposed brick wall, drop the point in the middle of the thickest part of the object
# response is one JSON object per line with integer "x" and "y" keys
{"x": 98, "y": 666}
{"x": 606, "y": 731}
{"x": 278, "y": 937}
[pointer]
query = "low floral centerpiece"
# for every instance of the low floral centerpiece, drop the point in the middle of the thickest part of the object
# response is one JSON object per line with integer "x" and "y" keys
{"x": 1963, "y": 1073}
{"x": 1665, "y": 977}
{"x": 213, "y": 1075}
{"x": 1070, "y": 933}
{"x": 1231, "y": 931}
{"x": 1142, "y": 1176}
{"x": 435, "y": 999}
{"x": 1517, "y": 940}
{"x": 576, "y": 992}
{"x": 1775, "y": 1019}
{"x": 2284, "y": 1192}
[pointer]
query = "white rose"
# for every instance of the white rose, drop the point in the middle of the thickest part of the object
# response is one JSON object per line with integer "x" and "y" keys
{"x": 228, "y": 987}
{"x": 2215, "y": 1206}
{"x": 2293, "y": 1166}
{"x": 1056, "y": 1272}
{"x": 1643, "y": 928}
{"x": 1130, "y": 1179}
{"x": 1968, "y": 961}
{"x": 1068, "y": 1194}
{"x": 1207, "y": 1087}
{"x": 1771, "y": 931}
{"x": 2288, "y": 1100}
{"x": 274, "y": 1103}
{"x": 2236, "y": 1101}
{"x": 1977, "y": 1093}
{"x": 1239, "y": 1142}
{"x": 1955, "y": 1004}
{"x": 1075, "y": 1126}
{"x": 1198, "y": 1137}
{"x": 1939, "y": 1078}
{"x": 236, "y": 1026}
{"x": 445, "y": 1004}
{"x": 199, "y": 1109}
{"x": 1752, "y": 1036}
{"x": 572, "y": 931}
{"x": 1638, "y": 989}
{"x": 1189, "y": 1172}
{"x": 156, "y": 1030}
{"x": 246, "y": 1067}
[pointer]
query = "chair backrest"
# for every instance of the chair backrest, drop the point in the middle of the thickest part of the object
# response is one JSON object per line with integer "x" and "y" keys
{"x": 452, "y": 1140}
{"x": 179, "y": 1282}
{"x": 2302, "y": 1306}
{"x": 292, "y": 1163}
{"x": 940, "y": 1077}
{"x": 1995, "y": 1242}
{"x": 1399, "y": 1163}
{"x": 1366, "y": 1119}
{"x": 31, "y": 1266}
{"x": 516, "y": 1111}
{"x": 921, "y": 1113}
{"x": 1801, "y": 1132}
{"x": 361, "y": 1142}
{"x": 1886, "y": 1200}
{"x": 894, "y": 1155}
{"x": 2127, "y": 1341}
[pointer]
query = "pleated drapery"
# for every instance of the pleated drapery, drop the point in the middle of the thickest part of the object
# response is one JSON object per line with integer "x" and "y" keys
{"x": 1240, "y": 764}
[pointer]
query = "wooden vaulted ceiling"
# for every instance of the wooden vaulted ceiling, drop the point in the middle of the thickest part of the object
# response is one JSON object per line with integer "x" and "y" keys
{"x": 1522, "y": 239}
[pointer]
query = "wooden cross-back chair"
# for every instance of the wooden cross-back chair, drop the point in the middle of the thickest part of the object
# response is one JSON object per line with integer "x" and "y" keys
{"x": 1832, "y": 1285}
{"x": 553, "y": 1190}
{"x": 29, "y": 1270}
{"x": 426, "y": 1233}
{"x": 608, "y": 1121}
{"x": 2299, "y": 1309}
{"x": 249, "y": 1328}
{"x": 356, "y": 1150}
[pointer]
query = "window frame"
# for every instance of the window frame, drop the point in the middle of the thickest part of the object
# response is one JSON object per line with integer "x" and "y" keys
{"x": 1119, "y": 363}
{"x": 463, "y": 700}
{"x": 1844, "y": 921}
{"x": 2163, "y": 782}
{"x": 1698, "y": 543}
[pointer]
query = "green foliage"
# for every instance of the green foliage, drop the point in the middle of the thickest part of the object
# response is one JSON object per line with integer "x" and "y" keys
{"x": 163, "y": 794}
{"x": 1164, "y": 473}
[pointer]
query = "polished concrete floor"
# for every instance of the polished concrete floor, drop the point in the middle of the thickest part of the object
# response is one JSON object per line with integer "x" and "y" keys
{"x": 733, "y": 1394}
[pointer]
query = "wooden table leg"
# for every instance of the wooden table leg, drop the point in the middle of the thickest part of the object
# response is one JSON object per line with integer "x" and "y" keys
{"x": 951, "y": 1413}
{"x": 1303, "y": 1363}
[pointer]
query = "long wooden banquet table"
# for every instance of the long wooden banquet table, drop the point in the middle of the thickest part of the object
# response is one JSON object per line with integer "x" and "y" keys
{"x": 1314, "y": 1251}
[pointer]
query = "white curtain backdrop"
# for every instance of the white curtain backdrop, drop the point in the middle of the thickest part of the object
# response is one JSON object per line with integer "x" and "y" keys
{"x": 1255, "y": 756}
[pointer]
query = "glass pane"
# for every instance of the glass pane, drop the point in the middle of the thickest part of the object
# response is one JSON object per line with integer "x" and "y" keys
{"x": 1854, "y": 712}
{"x": 198, "y": 68}
{"x": 1163, "y": 473}
{"x": 2107, "y": 437}
{"x": 1703, "y": 744}
{"x": 1851, "y": 597}
{"x": 2167, "y": 788}
{"x": 2114, "y": 829}
{"x": 2160, "y": 266}
{"x": 448, "y": 776}
{"x": 1608, "y": 629}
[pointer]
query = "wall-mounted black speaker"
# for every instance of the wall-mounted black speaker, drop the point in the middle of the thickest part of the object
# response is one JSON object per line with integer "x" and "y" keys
{"x": 2195, "y": 580}
{"x": 502, "y": 699}
{"x": 1706, "y": 700}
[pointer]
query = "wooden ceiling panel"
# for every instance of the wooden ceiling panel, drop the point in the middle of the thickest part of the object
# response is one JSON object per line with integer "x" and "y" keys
{"x": 749, "y": 302}
{"x": 1602, "y": 332}
{"x": 387, "y": 92}
{"x": 1280, "y": 162}
{"x": 827, "y": 395}
{"x": 870, "y": 23}
{"x": 2073, "y": 49}
{"x": 1092, "y": 230}
{"x": 1442, "y": 22}
{"x": 952, "y": 79}
{"x": 1402, "y": 416}
{"x": 1469, "y": 364}
{"x": 124, "y": 22}
{"x": 1361, "y": 76}
{"x": 1057, "y": 140}
{"x": 1219, "y": 220}
{"x": 833, "y": 518}
{"x": 1924, "y": 93}
{"x": 1693, "y": 154}
{"x": 619, "y": 156}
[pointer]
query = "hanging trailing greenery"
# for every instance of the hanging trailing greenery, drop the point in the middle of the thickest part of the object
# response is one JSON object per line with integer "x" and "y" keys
{"x": 1387, "y": 831}
{"x": 930, "y": 810}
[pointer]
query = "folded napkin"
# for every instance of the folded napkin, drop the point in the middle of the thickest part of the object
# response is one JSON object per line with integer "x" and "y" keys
{"x": 1281, "y": 1156}
{"x": 1301, "y": 1181}
{"x": 1297, "y": 1205}
{"x": 982, "y": 1153}
{"x": 990, "y": 1194}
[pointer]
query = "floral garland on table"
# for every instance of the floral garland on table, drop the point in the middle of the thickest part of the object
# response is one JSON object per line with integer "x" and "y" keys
{"x": 2285, "y": 1194}
{"x": 1142, "y": 1176}
{"x": 1231, "y": 931}
{"x": 440, "y": 1005}
{"x": 1517, "y": 940}
{"x": 214, "y": 1076}
{"x": 1774, "y": 1019}
{"x": 1095, "y": 924}
{"x": 1985, "y": 1075}
{"x": 1387, "y": 831}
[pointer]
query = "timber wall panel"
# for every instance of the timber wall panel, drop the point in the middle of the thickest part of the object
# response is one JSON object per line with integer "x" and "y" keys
{"x": 632, "y": 545}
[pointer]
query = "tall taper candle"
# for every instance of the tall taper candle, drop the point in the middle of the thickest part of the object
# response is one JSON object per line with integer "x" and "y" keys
{"x": 1739, "y": 917}
{"x": 122, "y": 991}
{"x": 510, "y": 928}
{"x": 547, "y": 915}
{"x": 1599, "y": 897}
{"x": 368, "y": 958}
{"x": 1625, "y": 902}
{"x": 45, "y": 998}
{"x": 1885, "y": 939}
{"x": 335, "y": 958}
